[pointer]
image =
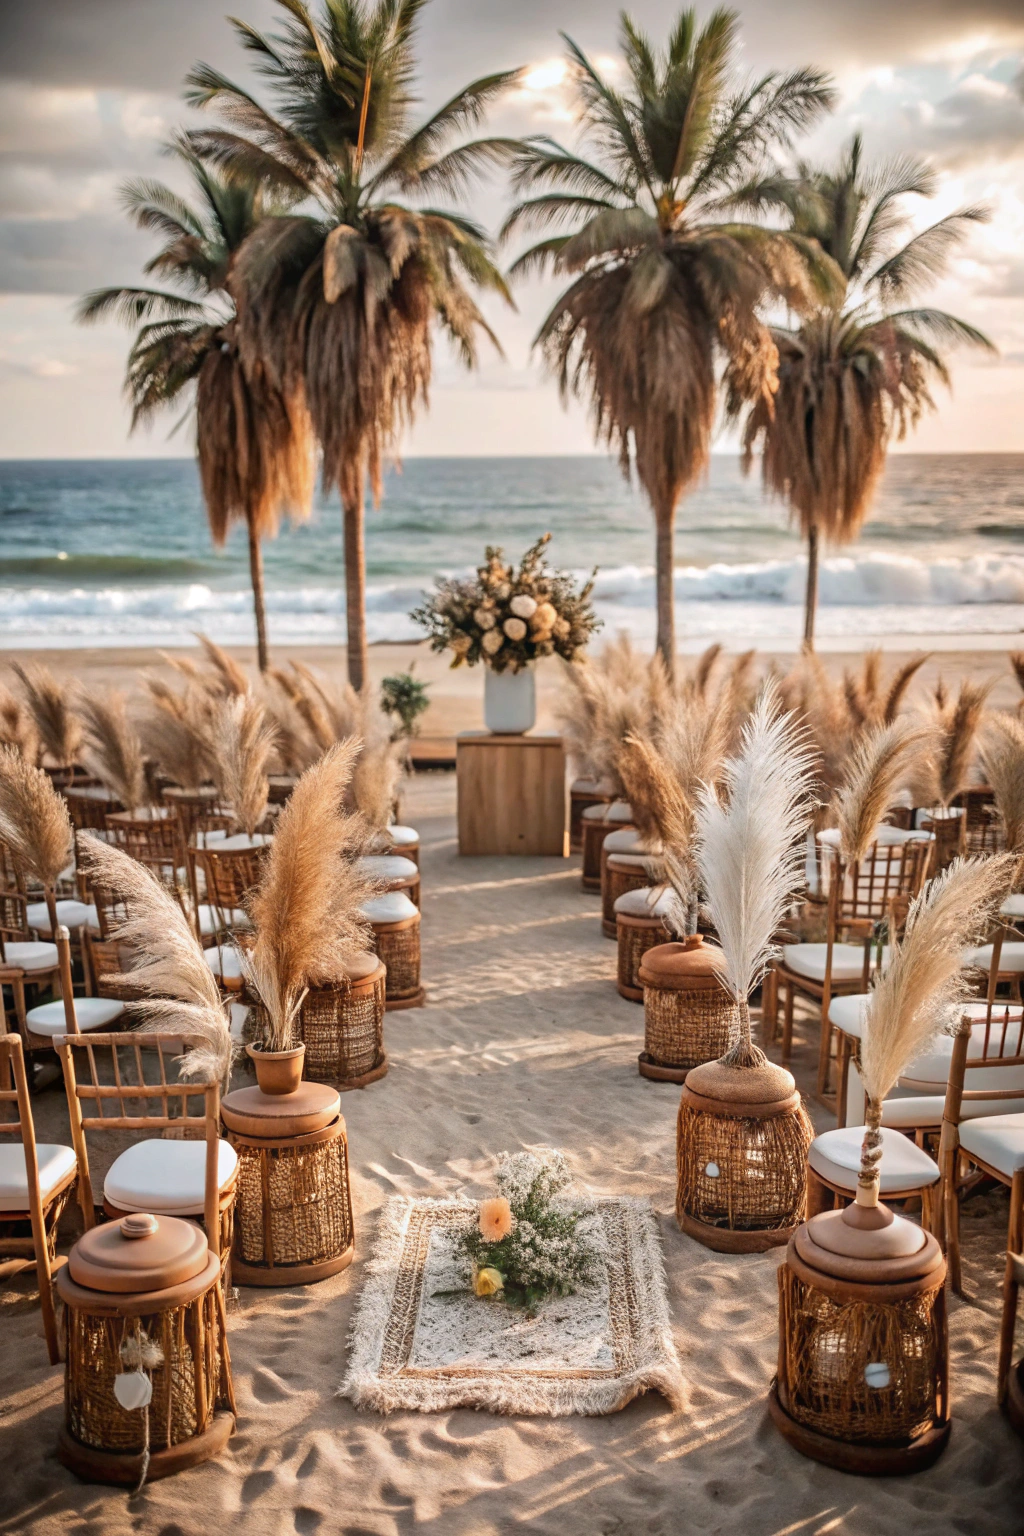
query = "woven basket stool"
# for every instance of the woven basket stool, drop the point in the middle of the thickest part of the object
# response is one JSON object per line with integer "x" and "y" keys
{"x": 404, "y": 841}
{"x": 584, "y": 793}
{"x": 341, "y": 1027}
{"x": 689, "y": 1018}
{"x": 293, "y": 1213}
{"x": 400, "y": 874}
{"x": 742, "y": 1136}
{"x": 863, "y": 1348}
{"x": 628, "y": 873}
{"x": 143, "y": 1278}
{"x": 639, "y": 925}
{"x": 597, "y": 821}
{"x": 396, "y": 940}
{"x": 280, "y": 786}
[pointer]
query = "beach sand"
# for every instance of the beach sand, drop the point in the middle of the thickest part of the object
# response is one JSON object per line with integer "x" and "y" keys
{"x": 524, "y": 1041}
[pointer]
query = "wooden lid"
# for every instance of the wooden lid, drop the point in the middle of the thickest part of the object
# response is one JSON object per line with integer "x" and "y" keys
{"x": 767, "y": 1084}
{"x": 866, "y": 1232}
{"x": 692, "y": 965}
{"x": 922, "y": 1264}
{"x": 139, "y": 1253}
{"x": 251, "y": 1112}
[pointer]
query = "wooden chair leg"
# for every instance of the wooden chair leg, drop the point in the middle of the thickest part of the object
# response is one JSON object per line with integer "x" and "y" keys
{"x": 787, "y": 1022}
{"x": 842, "y": 1077}
{"x": 824, "y": 1052}
{"x": 952, "y": 1223}
{"x": 45, "y": 1279}
{"x": 1015, "y": 1238}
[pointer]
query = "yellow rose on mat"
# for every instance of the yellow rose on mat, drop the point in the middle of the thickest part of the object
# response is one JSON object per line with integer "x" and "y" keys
{"x": 488, "y": 1282}
{"x": 495, "y": 1219}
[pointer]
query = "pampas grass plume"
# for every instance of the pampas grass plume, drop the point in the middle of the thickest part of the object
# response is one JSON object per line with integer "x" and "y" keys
{"x": 241, "y": 743}
{"x": 49, "y": 702}
{"x": 879, "y": 767}
{"x": 34, "y": 821}
{"x": 113, "y": 751}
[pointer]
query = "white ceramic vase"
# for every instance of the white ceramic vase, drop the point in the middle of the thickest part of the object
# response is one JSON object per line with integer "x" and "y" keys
{"x": 510, "y": 701}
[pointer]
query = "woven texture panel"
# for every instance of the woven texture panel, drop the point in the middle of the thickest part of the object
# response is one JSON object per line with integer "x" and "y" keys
{"x": 293, "y": 1204}
{"x": 634, "y": 942}
{"x": 399, "y": 948}
{"x": 743, "y": 1175}
{"x": 684, "y": 1029}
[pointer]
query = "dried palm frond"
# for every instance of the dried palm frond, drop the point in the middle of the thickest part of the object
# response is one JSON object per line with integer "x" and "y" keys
{"x": 34, "y": 823}
{"x": 165, "y": 960}
{"x": 306, "y": 908}
{"x": 241, "y": 743}
{"x": 898, "y": 685}
{"x": 880, "y": 766}
{"x": 919, "y": 991}
{"x": 17, "y": 728}
{"x": 957, "y": 723}
{"x": 112, "y": 751}
{"x": 1002, "y": 756}
{"x": 176, "y": 735}
{"x": 750, "y": 849}
{"x": 225, "y": 675}
{"x": 49, "y": 703}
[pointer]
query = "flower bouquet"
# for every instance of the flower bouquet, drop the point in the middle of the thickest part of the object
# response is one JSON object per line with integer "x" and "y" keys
{"x": 533, "y": 1240}
{"x": 507, "y": 617}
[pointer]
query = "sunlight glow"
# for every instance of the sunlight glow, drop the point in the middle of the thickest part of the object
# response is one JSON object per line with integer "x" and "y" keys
{"x": 542, "y": 77}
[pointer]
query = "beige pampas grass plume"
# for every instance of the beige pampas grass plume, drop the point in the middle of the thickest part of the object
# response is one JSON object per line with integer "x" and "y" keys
{"x": 305, "y": 909}
{"x": 17, "y": 728}
{"x": 919, "y": 991}
{"x": 166, "y": 961}
{"x": 957, "y": 723}
{"x": 112, "y": 751}
{"x": 750, "y": 850}
{"x": 176, "y": 733}
{"x": 49, "y": 702}
{"x": 1002, "y": 758}
{"x": 224, "y": 677}
{"x": 881, "y": 765}
{"x": 34, "y": 823}
{"x": 240, "y": 748}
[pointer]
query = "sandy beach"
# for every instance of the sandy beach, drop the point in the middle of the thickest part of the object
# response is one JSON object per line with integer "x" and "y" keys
{"x": 524, "y": 1041}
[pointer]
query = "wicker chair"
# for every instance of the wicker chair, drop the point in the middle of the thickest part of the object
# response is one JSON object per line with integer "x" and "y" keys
{"x": 24, "y": 962}
{"x": 949, "y": 829}
{"x": 36, "y": 1182}
{"x": 187, "y": 1177}
{"x": 231, "y": 867}
{"x": 67, "y": 1014}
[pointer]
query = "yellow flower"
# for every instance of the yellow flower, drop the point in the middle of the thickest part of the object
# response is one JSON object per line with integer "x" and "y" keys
{"x": 495, "y": 1219}
{"x": 544, "y": 617}
{"x": 488, "y": 1282}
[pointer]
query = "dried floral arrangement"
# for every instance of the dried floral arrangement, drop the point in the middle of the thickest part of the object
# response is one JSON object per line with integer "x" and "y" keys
{"x": 509, "y": 616}
{"x": 532, "y": 1240}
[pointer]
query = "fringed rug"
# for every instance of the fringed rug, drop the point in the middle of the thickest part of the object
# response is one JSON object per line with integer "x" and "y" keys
{"x": 414, "y": 1347}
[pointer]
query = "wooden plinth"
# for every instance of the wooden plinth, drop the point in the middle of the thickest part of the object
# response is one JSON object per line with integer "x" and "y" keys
{"x": 658, "y": 1074}
{"x": 512, "y": 794}
{"x": 729, "y": 1240}
{"x": 864, "y": 1460}
{"x": 123, "y": 1469}
{"x": 291, "y": 1274}
{"x": 395, "y": 1004}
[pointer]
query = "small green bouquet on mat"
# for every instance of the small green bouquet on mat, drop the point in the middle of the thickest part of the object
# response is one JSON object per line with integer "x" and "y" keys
{"x": 507, "y": 616}
{"x": 531, "y": 1241}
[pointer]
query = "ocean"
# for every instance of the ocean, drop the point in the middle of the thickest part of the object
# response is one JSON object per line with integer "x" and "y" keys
{"x": 105, "y": 553}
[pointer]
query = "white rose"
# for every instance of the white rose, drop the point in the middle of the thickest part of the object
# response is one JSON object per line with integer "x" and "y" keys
{"x": 502, "y": 591}
{"x": 493, "y": 641}
{"x": 484, "y": 618}
{"x": 523, "y": 605}
{"x": 515, "y": 629}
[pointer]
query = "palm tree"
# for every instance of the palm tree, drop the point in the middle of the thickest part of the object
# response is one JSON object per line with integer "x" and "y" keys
{"x": 858, "y": 370}
{"x": 339, "y": 296}
{"x": 668, "y": 283}
{"x": 253, "y": 438}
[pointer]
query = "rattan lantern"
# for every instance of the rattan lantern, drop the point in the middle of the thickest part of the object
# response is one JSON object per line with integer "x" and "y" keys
{"x": 689, "y": 1017}
{"x": 639, "y": 926}
{"x": 396, "y": 941}
{"x": 147, "y": 1382}
{"x": 341, "y": 1026}
{"x": 597, "y": 822}
{"x": 584, "y": 793}
{"x": 293, "y": 1208}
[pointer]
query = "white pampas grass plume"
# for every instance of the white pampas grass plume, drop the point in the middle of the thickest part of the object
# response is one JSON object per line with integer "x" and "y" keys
{"x": 166, "y": 960}
{"x": 34, "y": 821}
{"x": 750, "y": 848}
{"x": 880, "y": 766}
{"x": 113, "y": 751}
{"x": 241, "y": 743}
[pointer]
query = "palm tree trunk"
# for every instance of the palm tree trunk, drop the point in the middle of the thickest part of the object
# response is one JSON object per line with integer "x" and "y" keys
{"x": 665, "y": 577}
{"x": 355, "y": 580}
{"x": 811, "y": 597}
{"x": 258, "y": 599}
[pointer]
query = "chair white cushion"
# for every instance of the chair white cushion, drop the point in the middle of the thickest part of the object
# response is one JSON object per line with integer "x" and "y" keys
{"x": 1011, "y": 958}
{"x": 628, "y": 840}
{"x": 835, "y": 1155}
{"x": 403, "y": 837}
{"x": 1013, "y": 906}
{"x": 637, "y": 903}
{"x": 809, "y": 960}
{"x": 55, "y": 1163}
{"x": 906, "y": 1113}
{"x": 619, "y": 810}
{"x": 998, "y": 1141}
{"x": 392, "y": 907}
{"x": 91, "y": 1013}
{"x": 73, "y": 914}
{"x": 223, "y": 961}
{"x": 594, "y": 812}
{"x": 30, "y": 955}
{"x": 848, "y": 1013}
{"x": 239, "y": 1015}
{"x": 209, "y": 924}
{"x": 886, "y": 836}
{"x": 361, "y": 966}
{"x": 629, "y": 861}
{"x": 388, "y": 866}
{"x": 166, "y": 1176}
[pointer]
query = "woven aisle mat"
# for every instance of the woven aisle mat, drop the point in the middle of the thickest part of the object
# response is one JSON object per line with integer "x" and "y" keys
{"x": 590, "y": 1353}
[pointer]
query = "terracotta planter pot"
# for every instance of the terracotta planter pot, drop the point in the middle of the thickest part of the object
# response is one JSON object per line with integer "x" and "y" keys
{"x": 277, "y": 1071}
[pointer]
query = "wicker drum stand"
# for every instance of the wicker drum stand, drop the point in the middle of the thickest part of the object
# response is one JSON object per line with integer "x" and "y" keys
{"x": 293, "y": 1213}
{"x": 342, "y": 1029}
{"x": 622, "y": 872}
{"x": 584, "y": 793}
{"x": 639, "y": 926}
{"x": 742, "y": 1136}
{"x": 596, "y": 823}
{"x": 689, "y": 1018}
{"x": 144, "y": 1281}
{"x": 396, "y": 940}
{"x": 863, "y": 1353}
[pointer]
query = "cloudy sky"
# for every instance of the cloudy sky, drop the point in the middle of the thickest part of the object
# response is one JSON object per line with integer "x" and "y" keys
{"x": 90, "y": 88}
